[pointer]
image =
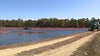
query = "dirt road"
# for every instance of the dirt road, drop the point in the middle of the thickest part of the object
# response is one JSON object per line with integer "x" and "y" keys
{"x": 57, "y": 47}
{"x": 91, "y": 48}
{"x": 68, "y": 49}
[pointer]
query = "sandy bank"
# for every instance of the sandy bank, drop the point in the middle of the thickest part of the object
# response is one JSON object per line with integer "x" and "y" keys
{"x": 91, "y": 48}
{"x": 67, "y": 49}
{"x": 14, "y": 51}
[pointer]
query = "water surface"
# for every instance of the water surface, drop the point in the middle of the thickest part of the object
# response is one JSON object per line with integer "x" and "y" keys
{"x": 20, "y": 36}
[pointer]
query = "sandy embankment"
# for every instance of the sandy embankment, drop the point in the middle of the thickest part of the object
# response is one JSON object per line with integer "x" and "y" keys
{"x": 59, "y": 51}
{"x": 91, "y": 48}
{"x": 68, "y": 49}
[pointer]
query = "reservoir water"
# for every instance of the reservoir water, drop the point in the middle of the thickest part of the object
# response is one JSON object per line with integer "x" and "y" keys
{"x": 21, "y": 35}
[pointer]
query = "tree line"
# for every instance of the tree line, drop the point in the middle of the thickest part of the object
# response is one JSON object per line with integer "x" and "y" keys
{"x": 48, "y": 22}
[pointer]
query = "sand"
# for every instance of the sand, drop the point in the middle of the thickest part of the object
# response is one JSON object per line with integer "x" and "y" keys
{"x": 65, "y": 50}
{"x": 68, "y": 49}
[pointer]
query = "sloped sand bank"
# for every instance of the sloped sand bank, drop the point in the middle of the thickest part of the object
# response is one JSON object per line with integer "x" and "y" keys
{"x": 55, "y": 47}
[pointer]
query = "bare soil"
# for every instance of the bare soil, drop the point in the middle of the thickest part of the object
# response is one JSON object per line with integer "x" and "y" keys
{"x": 91, "y": 48}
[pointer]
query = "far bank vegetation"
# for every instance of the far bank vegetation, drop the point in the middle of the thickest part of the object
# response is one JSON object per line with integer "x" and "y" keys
{"x": 48, "y": 22}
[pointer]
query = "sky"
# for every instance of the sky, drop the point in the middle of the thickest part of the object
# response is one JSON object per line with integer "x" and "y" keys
{"x": 36, "y": 9}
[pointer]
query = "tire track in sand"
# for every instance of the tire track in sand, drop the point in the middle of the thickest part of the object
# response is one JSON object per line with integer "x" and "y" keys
{"x": 68, "y": 49}
{"x": 51, "y": 47}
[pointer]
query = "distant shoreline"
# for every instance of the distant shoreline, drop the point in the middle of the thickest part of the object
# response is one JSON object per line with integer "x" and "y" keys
{"x": 9, "y": 28}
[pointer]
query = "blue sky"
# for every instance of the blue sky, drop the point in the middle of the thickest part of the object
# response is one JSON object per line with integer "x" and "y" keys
{"x": 36, "y": 9}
